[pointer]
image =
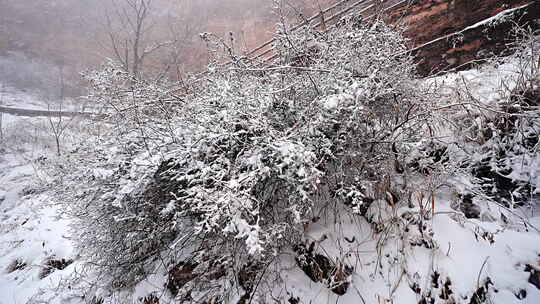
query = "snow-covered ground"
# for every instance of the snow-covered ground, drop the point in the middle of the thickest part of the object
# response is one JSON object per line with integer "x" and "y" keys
{"x": 466, "y": 254}
{"x": 33, "y": 230}
{"x": 12, "y": 98}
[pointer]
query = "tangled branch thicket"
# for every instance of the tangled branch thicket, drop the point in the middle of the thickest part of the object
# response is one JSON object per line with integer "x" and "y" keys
{"x": 241, "y": 160}
{"x": 501, "y": 137}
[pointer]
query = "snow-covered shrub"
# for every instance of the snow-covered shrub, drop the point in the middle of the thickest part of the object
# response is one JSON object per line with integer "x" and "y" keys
{"x": 507, "y": 166}
{"x": 137, "y": 107}
{"x": 512, "y": 147}
{"x": 497, "y": 134}
{"x": 271, "y": 142}
{"x": 94, "y": 181}
{"x": 247, "y": 153}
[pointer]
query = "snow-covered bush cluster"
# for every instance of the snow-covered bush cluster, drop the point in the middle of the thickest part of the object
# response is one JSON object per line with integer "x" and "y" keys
{"x": 271, "y": 142}
{"x": 508, "y": 162}
{"x": 334, "y": 155}
{"x": 498, "y": 135}
{"x": 235, "y": 166}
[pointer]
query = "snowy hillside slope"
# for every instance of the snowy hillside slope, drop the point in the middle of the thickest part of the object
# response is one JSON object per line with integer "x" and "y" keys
{"x": 405, "y": 254}
{"x": 11, "y": 98}
{"x": 33, "y": 231}
{"x": 18, "y": 99}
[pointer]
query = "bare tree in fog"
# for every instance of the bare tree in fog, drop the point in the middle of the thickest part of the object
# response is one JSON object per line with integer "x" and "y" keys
{"x": 148, "y": 38}
{"x": 57, "y": 123}
{"x": 130, "y": 25}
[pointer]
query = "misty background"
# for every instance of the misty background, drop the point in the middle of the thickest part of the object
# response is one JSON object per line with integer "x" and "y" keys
{"x": 43, "y": 41}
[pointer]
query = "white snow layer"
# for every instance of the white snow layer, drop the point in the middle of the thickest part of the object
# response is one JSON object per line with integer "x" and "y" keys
{"x": 32, "y": 231}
